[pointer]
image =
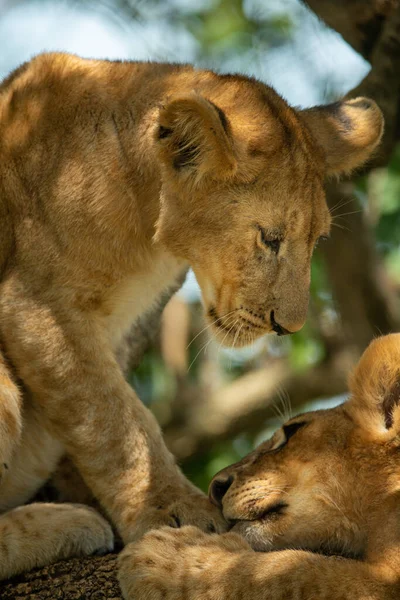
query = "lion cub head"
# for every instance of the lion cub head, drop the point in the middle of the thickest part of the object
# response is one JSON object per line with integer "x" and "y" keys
{"x": 242, "y": 196}
{"x": 329, "y": 480}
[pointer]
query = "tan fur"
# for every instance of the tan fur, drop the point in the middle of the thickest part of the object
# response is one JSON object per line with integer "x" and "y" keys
{"x": 321, "y": 507}
{"x": 39, "y": 534}
{"x": 114, "y": 178}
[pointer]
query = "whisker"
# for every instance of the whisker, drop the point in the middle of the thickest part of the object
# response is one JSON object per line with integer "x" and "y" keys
{"x": 204, "y": 347}
{"x": 227, "y": 333}
{"x": 236, "y": 336}
{"x": 330, "y": 500}
{"x": 340, "y": 226}
{"x": 287, "y": 405}
{"x": 283, "y": 413}
{"x": 340, "y": 204}
{"x": 200, "y": 332}
{"x": 352, "y": 212}
{"x": 264, "y": 492}
{"x": 276, "y": 409}
{"x": 210, "y": 325}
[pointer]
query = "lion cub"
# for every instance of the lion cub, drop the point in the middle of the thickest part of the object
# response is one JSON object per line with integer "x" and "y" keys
{"x": 114, "y": 178}
{"x": 320, "y": 502}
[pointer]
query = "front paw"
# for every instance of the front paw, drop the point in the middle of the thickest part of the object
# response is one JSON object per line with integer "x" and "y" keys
{"x": 196, "y": 510}
{"x": 76, "y": 530}
{"x": 170, "y": 564}
{"x": 192, "y": 509}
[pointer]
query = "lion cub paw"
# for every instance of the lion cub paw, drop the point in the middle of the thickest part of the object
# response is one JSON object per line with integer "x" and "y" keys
{"x": 193, "y": 509}
{"x": 89, "y": 533}
{"x": 67, "y": 529}
{"x": 165, "y": 561}
{"x": 39, "y": 534}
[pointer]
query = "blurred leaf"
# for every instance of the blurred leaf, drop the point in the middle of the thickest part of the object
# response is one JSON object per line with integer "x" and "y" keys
{"x": 390, "y": 199}
{"x": 392, "y": 262}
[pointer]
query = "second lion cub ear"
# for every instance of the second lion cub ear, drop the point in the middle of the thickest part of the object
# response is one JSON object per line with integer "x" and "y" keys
{"x": 375, "y": 388}
{"x": 194, "y": 138}
{"x": 348, "y": 132}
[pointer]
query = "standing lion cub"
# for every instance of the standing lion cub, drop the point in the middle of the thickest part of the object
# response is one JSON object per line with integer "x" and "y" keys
{"x": 114, "y": 178}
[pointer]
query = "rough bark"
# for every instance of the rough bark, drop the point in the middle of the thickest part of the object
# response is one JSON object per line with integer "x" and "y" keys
{"x": 383, "y": 83}
{"x": 359, "y": 22}
{"x": 372, "y": 28}
{"x": 364, "y": 298}
{"x": 92, "y": 578}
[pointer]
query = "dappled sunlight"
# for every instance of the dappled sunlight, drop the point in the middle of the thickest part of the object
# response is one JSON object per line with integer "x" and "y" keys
{"x": 104, "y": 150}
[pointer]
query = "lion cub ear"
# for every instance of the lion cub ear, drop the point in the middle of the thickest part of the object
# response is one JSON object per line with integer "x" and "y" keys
{"x": 375, "y": 388}
{"x": 348, "y": 132}
{"x": 194, "y": 138}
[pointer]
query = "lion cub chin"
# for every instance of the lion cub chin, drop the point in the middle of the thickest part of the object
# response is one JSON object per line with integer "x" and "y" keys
{"x": 114, "y": 178}
{"x": 322, "y": 497}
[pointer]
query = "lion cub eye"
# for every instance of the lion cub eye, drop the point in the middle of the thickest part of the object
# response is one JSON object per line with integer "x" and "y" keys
{"x": 322, "y": 238}
{"x": 268, "y": 240}
{"x": 291, "y": 429}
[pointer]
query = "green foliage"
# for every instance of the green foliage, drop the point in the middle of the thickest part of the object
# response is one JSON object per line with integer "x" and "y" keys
{"x": 224, "y": 26}
{"x": 306, "y": 349}
{"x": 388, "y": 196}
{"x": 201, "y": 469}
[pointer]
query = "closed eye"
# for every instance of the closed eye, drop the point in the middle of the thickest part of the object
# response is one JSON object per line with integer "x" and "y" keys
{"x": 270, "y": 240}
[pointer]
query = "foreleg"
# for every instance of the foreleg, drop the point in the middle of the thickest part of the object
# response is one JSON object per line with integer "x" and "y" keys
{"x": 171, "y": 565}
{"x": 65, "y": 359}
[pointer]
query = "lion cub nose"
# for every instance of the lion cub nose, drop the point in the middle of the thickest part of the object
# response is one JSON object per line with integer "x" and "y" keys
{"x": 218, "y": 488}
{"x": 278, "y": 329}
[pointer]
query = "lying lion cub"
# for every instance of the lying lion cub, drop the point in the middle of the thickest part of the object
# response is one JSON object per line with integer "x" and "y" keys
{"x": 114, "y": 178}
{"x": 324, "y": 491}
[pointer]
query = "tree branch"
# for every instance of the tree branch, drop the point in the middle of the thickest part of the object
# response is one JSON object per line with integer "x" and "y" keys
{"x": 75, "y": 579}
{"x": 365, "y": 300}
{"x": 382, "y": 83}
{"x": 246, "y": 404}
{"x": 359, "y": 22}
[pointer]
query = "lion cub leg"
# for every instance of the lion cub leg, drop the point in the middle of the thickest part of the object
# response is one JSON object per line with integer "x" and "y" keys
{"x": 33, "y": 461}
{"x": 39, "y": 534}
{"x": 174, "y": 564}
{"x": 10, "y": 417}
{"x": 70, "y": 368}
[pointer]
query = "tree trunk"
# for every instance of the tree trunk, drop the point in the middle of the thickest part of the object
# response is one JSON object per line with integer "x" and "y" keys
{"x": 359, "y": 22}
{"x": 93, "y": 578}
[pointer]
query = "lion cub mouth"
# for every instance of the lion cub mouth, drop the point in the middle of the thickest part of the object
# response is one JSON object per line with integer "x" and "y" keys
{"x": 241, "y": 320}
